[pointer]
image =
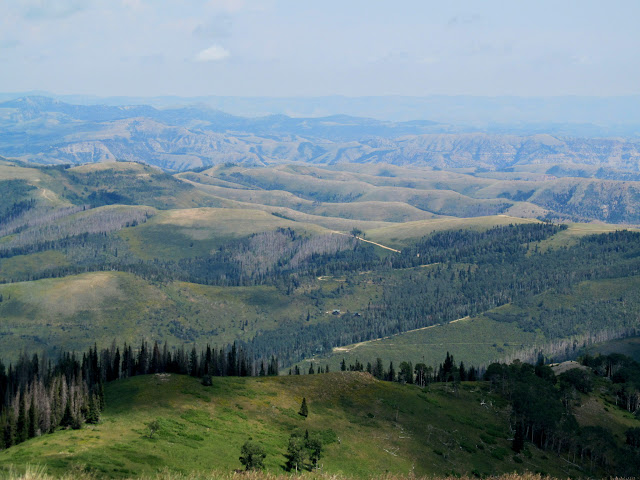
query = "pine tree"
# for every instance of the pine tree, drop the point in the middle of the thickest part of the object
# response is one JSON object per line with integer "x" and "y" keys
{"x": 378, "y": 369}
{"x": 101, "y": 399}
{"x": 116, "y": 365}
{"x": 22, "y": 427}
{"x": 391, "y": 375}
{"x": 9, "y": 433}
{"x": 304, "y": 410}
{"x": 93, "y": 411}
{"x": 67, "y": 418}
{"x": 32, "y": 419}
{"x": 518, "y": 438}
{"x": 462, "y": 372}
{"x": 155, "y": 358}
{"x": 193, "y": 362}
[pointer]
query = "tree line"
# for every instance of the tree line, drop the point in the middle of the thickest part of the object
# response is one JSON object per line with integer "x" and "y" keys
{"x": 420, "y": 374}
{"x": 39, "y": 395}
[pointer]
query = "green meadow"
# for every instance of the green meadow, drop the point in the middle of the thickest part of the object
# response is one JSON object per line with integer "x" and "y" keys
{"x": 367, "y": 427}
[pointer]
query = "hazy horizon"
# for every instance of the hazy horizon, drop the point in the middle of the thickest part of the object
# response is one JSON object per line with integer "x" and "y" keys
{"x": 599, "y": 115}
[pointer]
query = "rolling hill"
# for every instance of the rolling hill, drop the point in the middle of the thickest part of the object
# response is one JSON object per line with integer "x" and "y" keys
{"x": 367, "y": 426}
{"x": 264, "y": 255}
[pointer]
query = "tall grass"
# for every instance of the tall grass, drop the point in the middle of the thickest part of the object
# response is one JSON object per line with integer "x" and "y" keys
{"x": 36, "y": 472}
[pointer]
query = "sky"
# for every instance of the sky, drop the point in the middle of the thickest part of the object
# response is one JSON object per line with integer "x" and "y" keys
{"x": 291, "y": 48}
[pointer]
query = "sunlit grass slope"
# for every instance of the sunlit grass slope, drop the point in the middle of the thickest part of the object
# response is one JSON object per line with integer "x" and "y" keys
{"x": 368, "y": 428}
{"x": 183, "y": 233}
{"x": 404, "y": 233}
{"x": 75, "y": 311}
{"x": 477, "y": 341}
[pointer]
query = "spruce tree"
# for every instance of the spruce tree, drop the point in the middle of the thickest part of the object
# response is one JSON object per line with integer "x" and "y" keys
{"x": 22, "y": 427}
{"x": 518, "y": 439}
{"x": 93, "y": 411}
{"x": 304, "y": 410}
{"x": 101, "y": 400}
{"x": 67, "y": 417}
{"x": 462, "y": 372}
{"x": 32, "y": 419}
{"x": 9, "y": 432}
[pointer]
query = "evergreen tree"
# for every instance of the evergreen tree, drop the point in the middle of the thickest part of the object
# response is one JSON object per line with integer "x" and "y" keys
{"x": 116, "y": 364}
{"x": 101, "y": 399}
{"x": 378, "y": 369}
{"x": 462, "y": 372}
{"x": 304, "y": 410}
{"x": 391, "y": 375}
{"x": 273, "y": 366}
{"x": 9, "y": 432}
{"x": 518, "y": 438}
{"x": 32, "y": 419}
{"x": 22, "y": 427}
{"x": 67, "y": 418}
{"x": 93, "y": 410}
{"x": 155, "y": 359}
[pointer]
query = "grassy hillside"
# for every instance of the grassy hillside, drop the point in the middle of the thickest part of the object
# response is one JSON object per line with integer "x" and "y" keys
{"x": 513, "y": 330}
{"x": 456, "y": 192}
{"x": 477, "y": 341}
{"x": 193, "y": 232}
{"x": 234, "y": 253}
{"x": 403, "y": 234}
{"x": 368, "y": 427}
{"x": 625, "y": 346}
{"x": 75, "y": 311}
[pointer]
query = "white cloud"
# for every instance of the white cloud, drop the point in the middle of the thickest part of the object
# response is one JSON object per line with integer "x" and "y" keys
{"x": 214, "y": 53}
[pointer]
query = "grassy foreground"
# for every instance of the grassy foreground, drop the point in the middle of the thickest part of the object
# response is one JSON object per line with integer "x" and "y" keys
{"x": 38, "y": 473}
{"x": 369, "y": 428}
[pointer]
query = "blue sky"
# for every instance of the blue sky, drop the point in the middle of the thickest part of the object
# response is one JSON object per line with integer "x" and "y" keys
{"x": 316, "y": 48}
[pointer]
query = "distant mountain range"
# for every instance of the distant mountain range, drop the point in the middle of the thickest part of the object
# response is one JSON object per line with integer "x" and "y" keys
{"x": 46, "y": 130}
